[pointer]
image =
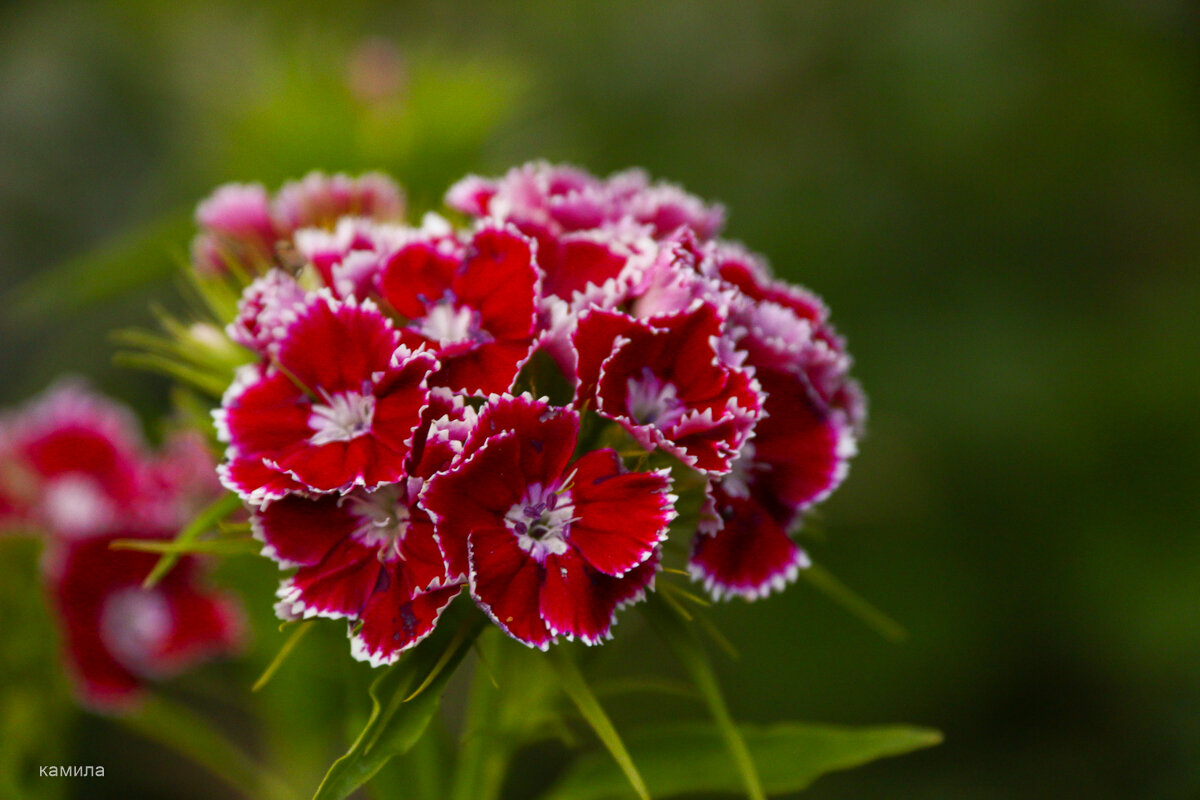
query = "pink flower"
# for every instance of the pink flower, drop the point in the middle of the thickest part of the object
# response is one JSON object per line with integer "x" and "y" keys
{"x": 554, "y": 547}
{"x": 372, "y": 556}
{"x": 669, "y": 382}
{"x": 116, "y": 635}
{"x": 334, "y": 409}
{"x": 320, "y": 200}
{"x": 242, "y": 226}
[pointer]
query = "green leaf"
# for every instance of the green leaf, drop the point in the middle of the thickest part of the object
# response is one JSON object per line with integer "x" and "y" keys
{"x": 215, "y": 547}
{"x": 685, "y": 758}
{"x": 826, "y": 583}
{"x": 207, "y": 520}
{"x": 682, "y": 640}
{"x": 573, "y": 683}
{"x": 178, "y": 728}
{"x": 284, "y": 651}
{"x": 394, "y": 725}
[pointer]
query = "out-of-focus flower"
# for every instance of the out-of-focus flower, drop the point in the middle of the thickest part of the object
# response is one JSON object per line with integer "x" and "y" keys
{"x": 117, "y": 635}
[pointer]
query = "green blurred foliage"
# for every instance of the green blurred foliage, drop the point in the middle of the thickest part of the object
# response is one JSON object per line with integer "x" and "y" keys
{"x": 999, "y": 200}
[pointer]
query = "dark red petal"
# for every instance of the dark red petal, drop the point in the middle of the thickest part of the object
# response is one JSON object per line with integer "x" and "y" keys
{"x": 254, "y": 481}
{"x": 266, "y": 417}
{"x": 335, "y": 466}
{"x": 620, "y": 518}
{"x": 583, "y": 261}
{"x": 335, "y": 346}
{"x": 392, "y": 621}
{"x": 578, "y": 601}
{"x": 489, "y": 368}
{"x": 337, "y": 587}
{"x": 301, "y": 531}
{"x": 416, "y": 276}
{"x": 593, "y": 339}
{"x": 749, "y": 557}
{"x": 807, "y": 450}
{"x": 498, "y": 279}
{"x": 475, "y": 494}
{"x": 506, "y": 583}
{"x": 422, "y": 559}
{"x": 547, "y": 434}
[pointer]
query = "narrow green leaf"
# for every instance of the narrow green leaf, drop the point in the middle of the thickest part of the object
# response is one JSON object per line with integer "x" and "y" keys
{"x": 573, "y": 683}
{"x": 210, "y": 383}
{"x": 284, "y": 651}
{"x": 689, "y": 758}
{"x": 395, "y": 726}
{"x": 215, "y": 547}
{"x": 826, "y": 583}
{"x": 190, "y": 735}
{"x": 681, "y": 639}
{"x": 206, "y": 521}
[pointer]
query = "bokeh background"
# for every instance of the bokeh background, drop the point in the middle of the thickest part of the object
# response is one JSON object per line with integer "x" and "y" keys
{"x": 1000, "y": 200}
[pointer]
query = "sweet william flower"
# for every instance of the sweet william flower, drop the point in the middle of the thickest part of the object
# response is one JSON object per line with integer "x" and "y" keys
{"x": 117, "y": 635}
{"x": 554, "y": 547}
{"x": 474, "y": 304}
{"x": 73, "y": 463}
{"x": 242, "y": 227}
{"x": 799, "y": 455}
{"x": 371, "y": 557}
{"x": 334, "y": 409}
{"x": 669, "y": 381}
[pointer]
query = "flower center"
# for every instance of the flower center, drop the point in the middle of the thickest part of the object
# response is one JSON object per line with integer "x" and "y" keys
{"x": 133, "y": 624}
{"x": 653, "y": 401}
{"x": 449, "y": 325}
{"x": 344, "y": 416}
{"x": 383, "y": 518}
{"x": 542, "y": 520}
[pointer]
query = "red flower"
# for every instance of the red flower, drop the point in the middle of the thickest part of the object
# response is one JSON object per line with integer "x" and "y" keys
{"x": 554, "y": 548}
{"x": 334, "y": 410}
{"x": 474, "y": 305}
{"x": 117, "y": 635}
{"x": 669, "y": 382}
{"x": 799, "y": 455}
{"x": 72, "y": 463}
{"x": 371, "y": 557}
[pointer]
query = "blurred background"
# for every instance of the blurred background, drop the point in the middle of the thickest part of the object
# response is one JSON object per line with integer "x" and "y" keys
{"x": 1000, "y": 201}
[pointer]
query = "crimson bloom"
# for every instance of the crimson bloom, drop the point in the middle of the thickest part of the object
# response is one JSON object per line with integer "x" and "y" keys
{"x": 371, "y": 556}
{"x": 73, "y": 463}
{"x": 335, "y": 409}
{"x": 474, "y": 304}
{"x": 554, "y": 547}
{"x": 669, "y": 383}
{"x": 116, "y": 634}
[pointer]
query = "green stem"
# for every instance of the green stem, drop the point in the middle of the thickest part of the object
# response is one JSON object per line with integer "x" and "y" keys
{"x": 484, "y": 753}
{"x": 180, "y": 729}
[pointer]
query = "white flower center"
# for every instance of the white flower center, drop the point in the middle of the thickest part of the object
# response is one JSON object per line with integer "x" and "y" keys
{"x": 449, "y": 325}
{"x": 653, "y": 401}
{"x": 383, "y": 517}
{"x": 76, "y": 504}
{"x": 737, "y": 482}
{"x": 542, "y": 521}
{"x": 345, "y": 416}
{"x": 133, "y": 624}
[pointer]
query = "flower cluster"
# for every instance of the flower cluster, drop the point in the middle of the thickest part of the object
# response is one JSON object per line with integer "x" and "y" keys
{"x": 513, "y": 408}
{"x": 74, "y": 469}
